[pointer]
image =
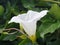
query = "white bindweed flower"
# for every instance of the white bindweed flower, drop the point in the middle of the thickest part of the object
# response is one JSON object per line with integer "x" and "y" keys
{"x": 28, "y": 21}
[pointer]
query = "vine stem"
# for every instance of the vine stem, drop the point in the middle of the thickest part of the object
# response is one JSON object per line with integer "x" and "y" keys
{"x": 16, "y": 30}
{"x": 33, "y": 43}
{"x": 52, "y": 1}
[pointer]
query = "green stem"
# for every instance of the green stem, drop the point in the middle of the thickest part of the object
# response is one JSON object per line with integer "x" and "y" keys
{"x": 52, "y": 1}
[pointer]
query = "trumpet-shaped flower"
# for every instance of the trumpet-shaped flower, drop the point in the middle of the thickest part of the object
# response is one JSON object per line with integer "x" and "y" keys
{"x": 28, "y": 21}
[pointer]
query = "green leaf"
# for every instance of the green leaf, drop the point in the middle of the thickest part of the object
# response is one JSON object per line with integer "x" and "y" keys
{"x": 25, "y": 42}
{"x": 1, "y": 30}
{"x": 57, "y": 42}
{"x": 55, "y": 11}
{"x": 46, "y": 0}
{"x": 15, "y": 10}
{"x": 11, "y": 36}
{"x": 48, "y": 28}
{"x": 1, "y": 9}
{"x": 43, "y": 4}
{"x": 2, "y": 36}
{"x": 28, "y": 3}
{"x": 47, "y": 19}
{"x": 7, "y": 14}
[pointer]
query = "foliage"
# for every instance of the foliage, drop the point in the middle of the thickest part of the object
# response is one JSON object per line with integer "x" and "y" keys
{"x": 48, "y": 28}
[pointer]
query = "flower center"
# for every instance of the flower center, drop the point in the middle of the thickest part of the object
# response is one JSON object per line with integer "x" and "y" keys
{"x": 33, "y": 38}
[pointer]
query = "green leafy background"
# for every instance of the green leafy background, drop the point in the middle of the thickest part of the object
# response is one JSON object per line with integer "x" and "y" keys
{"x": 48, "y": 28}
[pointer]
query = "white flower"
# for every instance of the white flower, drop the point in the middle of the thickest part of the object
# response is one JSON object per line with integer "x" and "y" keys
{"x": 29, "y": 20}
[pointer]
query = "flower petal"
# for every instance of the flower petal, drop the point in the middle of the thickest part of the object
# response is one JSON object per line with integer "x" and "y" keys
{"x": 38, "y": 16}
{"x": 29, "y": 27}
{"x": 23, "y": 16}
{"x": 14, "y": 19}
{"x": 17, "y": 19}
{"x": 43, "y": 13}
{"x": 31, "y": 14}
